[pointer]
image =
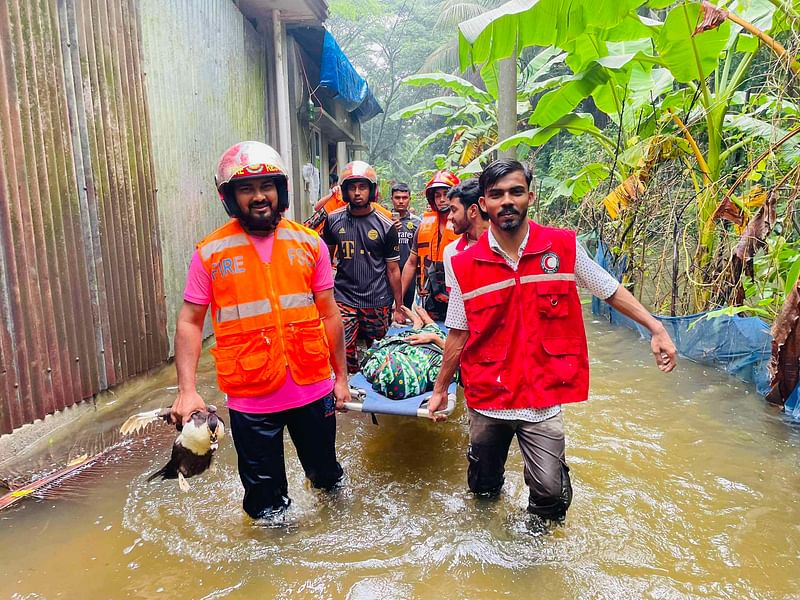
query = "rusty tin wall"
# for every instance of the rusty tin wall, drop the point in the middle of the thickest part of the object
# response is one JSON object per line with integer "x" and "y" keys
{"x": 205, "y": 74}
{"x": 81, "y": 287}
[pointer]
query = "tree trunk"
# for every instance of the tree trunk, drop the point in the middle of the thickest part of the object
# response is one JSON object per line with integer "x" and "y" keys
{"x": 507, "y": 102}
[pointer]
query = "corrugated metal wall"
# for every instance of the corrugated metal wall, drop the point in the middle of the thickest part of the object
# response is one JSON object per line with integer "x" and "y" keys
{"x": 81, "y": 292}
{"x": 206, "y": 78}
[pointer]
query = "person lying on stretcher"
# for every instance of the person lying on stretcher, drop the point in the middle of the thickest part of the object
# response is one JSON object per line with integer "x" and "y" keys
{"x": 406, "y": 364}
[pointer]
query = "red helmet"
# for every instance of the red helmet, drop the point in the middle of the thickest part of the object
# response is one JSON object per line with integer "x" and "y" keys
{"x": 440, "y": 179}
{"x": 358, "y": 170}
{"x": 248, "y": 160}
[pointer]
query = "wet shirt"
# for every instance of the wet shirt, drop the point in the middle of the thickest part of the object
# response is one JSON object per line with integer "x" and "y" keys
{"x": 407, "y": 234}
{"x": 363, "y": 247}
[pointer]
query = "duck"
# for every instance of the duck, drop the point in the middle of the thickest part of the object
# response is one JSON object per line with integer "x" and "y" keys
{"x": 194, "y": 447}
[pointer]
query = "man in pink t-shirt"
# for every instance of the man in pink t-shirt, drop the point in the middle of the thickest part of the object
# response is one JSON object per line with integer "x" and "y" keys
{"x": 254, "y": 189}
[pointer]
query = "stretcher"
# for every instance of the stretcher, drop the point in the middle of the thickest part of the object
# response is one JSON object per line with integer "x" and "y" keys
{"x": 367, "y": 400}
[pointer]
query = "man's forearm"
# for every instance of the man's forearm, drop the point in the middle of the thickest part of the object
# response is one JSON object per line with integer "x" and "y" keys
{"x": 393, "y": 271}
{"x": 334, "y": 331}
{"x": 407, "y": 277}
{"x": 625, "y": 302}
{"x": 453, "y": 347}
{"x": 188, "y": 345}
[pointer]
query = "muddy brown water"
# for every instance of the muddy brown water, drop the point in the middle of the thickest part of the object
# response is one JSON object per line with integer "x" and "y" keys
{"x": 685, "y": 487}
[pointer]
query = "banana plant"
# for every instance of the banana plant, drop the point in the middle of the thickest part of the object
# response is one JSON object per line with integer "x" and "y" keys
{"x": 469, "y": 112}
{"x": 700, "y": 51}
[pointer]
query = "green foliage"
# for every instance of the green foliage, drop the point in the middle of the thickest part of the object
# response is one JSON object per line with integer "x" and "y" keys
{"x": 387, "y": 41}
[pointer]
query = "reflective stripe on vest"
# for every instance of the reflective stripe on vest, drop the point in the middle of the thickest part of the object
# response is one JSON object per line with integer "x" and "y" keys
{"x": 296, "y": 300}
{"x": 232, "y": 241}
{"x": 501, "y": 285}
{"x": 297, "y": 236}
{"x": 492, "y": 287}
{"x": 242, "y": 311}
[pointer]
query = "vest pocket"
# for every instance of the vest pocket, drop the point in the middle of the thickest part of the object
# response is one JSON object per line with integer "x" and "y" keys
{"x": 553, "y": 299}
{"x": 563, "y": 359}
{"x": 309, "y": 338}
{"x": 494, "y": 374}
{"x": 243, "y": 367}
{"x": 308, "y": 354}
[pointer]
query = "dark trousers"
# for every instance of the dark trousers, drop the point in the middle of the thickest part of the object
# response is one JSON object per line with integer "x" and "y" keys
{"x": 259, "y": 446}
{"x": 542, "y": 448}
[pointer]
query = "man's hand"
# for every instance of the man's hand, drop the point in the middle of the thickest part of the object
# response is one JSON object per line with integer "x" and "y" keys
{"x": 399, "y": 316}
{"x": 341, "y": 392}
{"x": 437, "y": 401}
{"x": 664, "y": 350}
{"x": 186, "y": 404}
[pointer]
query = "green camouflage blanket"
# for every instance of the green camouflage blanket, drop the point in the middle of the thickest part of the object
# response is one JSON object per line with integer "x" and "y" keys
{"x": 398, "y": 370}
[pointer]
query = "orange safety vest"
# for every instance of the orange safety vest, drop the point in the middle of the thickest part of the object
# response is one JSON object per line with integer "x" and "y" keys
{"x": 430, "y": 248}
{"x": 264, "y": 314}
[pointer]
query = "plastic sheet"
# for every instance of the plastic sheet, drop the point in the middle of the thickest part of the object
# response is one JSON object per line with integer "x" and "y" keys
{"x": 742, "y": 346}
{"x": 338, "y": 75}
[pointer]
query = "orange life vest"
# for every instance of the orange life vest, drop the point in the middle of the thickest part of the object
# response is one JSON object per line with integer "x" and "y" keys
{"x": 264, "y": 314}
{"x": 430, "y": 247}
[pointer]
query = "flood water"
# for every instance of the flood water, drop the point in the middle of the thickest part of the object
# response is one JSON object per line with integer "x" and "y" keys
{"x": 685, "y": 487}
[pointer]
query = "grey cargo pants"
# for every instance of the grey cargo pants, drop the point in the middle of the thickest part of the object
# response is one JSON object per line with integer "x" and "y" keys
{"x": 542, "y": 447}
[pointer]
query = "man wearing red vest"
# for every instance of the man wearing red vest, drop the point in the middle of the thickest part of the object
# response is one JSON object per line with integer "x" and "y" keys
{"x": 278, "y": 331}
{"x": 516, "y": 328}
{"x": 425, "y": 262}
{"x": 468, "y": 221}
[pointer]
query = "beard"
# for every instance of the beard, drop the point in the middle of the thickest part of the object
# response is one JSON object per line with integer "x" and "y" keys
{"x": 510, "y": 225}
{"x": 262, "y": 223}
{"x": 459, "y": 228}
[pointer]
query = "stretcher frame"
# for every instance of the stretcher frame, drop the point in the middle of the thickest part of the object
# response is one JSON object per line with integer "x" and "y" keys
{"x": 359, "y": 395}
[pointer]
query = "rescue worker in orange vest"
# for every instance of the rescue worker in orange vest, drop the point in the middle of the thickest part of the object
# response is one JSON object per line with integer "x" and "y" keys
{"x": 516, "y": 328}
{"x": 425, "y": 262}
{"x": 278, "y": 331}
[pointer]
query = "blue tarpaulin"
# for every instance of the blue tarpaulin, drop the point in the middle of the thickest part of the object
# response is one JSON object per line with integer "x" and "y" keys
{"x": 338, "y": 75}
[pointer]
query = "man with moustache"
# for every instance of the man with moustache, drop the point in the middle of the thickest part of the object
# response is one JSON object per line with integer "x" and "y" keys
{"x": 468, "y": 221}
{"x": 516, "y": 328}
{"x": 367, "y": 272}
{"x": 278, "y": 332}
{"x": 407, "y": 225}
{"x": 426, "y": 260}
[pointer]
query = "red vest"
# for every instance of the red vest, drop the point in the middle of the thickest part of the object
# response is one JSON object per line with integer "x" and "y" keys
{"x": 264, "y": 315}
{"x": 526, "y": 345}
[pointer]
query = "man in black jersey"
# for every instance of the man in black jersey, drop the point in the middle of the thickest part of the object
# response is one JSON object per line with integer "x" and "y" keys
{"x": 408, "y": 225}
{"x": 368, "y": 251}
